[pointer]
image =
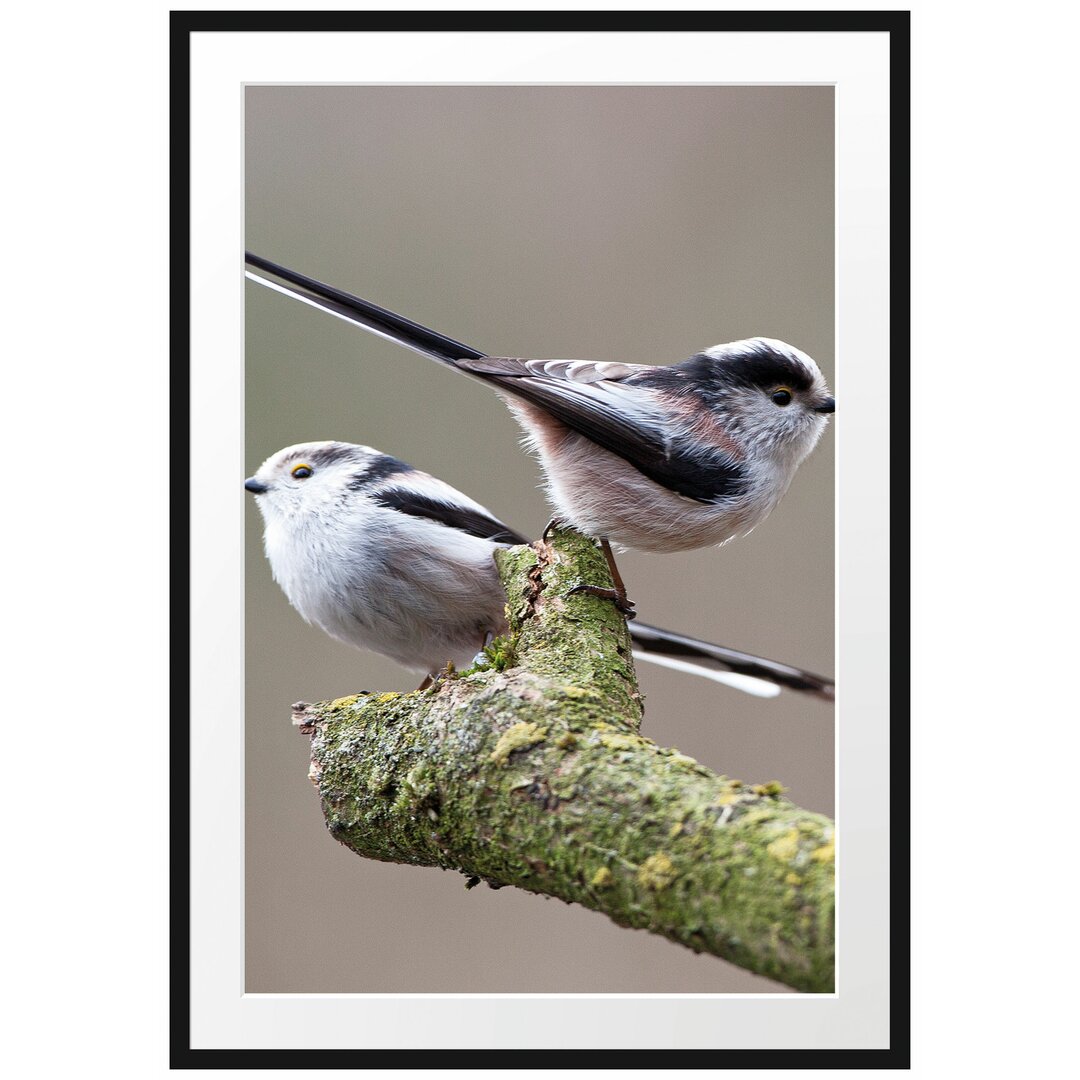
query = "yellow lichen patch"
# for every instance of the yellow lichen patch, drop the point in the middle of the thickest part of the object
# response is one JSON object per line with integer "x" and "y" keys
{"x": 580, "y": 692}
{"x": 519, "y": 737}
{"x": 383, "y": 698}
{"x": 566, "y": 741}
{"x": 344, "y": 702}
{"x": 675, "y": 830}
{"x": 792, "y": 878}
{"x": 684, "y": 759}
{"x": 785, "y": 847}
{"x": 773, "y": 787}
{"x": 602, "y": 879}
{"x": 622, "y": 742}
{"x": 657, "y": 872}
{"x": 727, "y": 800}
{"x": 825, "y": 853}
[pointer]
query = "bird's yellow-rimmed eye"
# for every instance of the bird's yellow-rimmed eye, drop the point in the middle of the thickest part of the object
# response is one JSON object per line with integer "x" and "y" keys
{"x": 781, "y": 395}
{"x": 301, "y": 472}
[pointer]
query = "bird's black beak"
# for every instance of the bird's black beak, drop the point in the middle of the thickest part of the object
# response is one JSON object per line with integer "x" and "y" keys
{"x": 827, "y": 406}
{"x": 257, "y": 486}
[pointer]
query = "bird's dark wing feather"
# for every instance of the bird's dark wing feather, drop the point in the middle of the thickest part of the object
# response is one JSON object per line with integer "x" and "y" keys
{"x": 602, "y": 402}
{"x": 475, "y": 522}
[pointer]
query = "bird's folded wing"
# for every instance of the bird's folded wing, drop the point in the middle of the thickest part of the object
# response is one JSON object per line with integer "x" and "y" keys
{"x": 428, "y": 497}
{"x": 639, "y": 424}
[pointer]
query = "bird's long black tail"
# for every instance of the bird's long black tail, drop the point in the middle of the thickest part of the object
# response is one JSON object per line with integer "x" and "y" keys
{"x": 362, "y": 313}
{"x": 670, "y": 649}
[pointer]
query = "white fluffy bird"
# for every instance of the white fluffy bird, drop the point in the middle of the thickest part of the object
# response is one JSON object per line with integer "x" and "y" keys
{"x": 390, "y": 559}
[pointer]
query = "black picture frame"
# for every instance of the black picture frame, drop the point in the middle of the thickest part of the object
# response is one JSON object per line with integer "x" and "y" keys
{"x": 185, "y": 23}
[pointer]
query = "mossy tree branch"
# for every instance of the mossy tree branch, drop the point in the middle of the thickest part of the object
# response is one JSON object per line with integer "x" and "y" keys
{"x": 531, "y": 772}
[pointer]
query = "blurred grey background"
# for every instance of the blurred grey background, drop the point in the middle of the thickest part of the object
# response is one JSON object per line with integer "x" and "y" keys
{"x": 632, "y": 223}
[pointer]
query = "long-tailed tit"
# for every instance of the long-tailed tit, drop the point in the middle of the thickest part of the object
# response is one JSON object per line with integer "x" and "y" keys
{"x": 390, "y": 559}
{"x": 659, "y": 458}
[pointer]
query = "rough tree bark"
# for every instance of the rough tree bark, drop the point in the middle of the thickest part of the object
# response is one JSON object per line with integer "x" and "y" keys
{"x": 531, "y": 772}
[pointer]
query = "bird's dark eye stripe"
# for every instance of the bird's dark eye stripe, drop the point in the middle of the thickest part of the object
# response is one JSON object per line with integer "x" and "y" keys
{"x": 320, "y": 457}
{"x": 762, "y": 367}
{"x": 379, "y": 469}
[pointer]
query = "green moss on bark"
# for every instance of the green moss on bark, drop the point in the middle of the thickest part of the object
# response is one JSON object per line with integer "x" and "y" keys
{"x": 536, "y": 776}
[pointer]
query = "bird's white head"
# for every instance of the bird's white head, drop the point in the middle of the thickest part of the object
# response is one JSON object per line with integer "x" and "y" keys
{"x": 318, "y": 476}
{"x": 772, "y": 396}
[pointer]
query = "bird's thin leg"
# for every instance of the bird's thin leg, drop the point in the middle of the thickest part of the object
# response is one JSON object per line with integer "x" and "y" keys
{"x": 625, "y": 605}
{"x": 617, "y": 595}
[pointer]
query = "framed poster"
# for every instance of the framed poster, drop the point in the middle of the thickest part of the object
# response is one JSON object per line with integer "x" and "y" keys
{"x": 630, "y": 188}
